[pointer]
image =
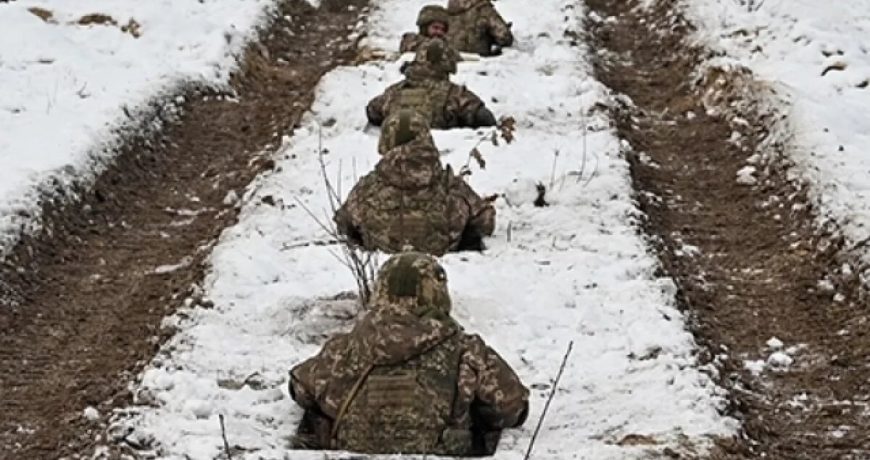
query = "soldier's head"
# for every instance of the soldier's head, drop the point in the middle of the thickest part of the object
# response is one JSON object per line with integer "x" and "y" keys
{"x": 400, "y": 128}
{"x": 417, "y": 280}
{"x": 433, "y": 21}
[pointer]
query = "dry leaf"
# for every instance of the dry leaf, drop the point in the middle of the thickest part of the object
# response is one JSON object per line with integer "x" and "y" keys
{"x": 494, "y": 138}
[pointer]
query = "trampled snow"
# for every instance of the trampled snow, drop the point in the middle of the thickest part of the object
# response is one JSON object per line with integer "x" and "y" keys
{"x": 67, "y": 86}
{"x": 815, "y": 54}
{"x": 576, "y": 270}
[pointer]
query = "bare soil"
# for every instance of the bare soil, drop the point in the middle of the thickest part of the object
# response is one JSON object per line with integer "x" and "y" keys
{"x": 81, "y": 302}
{"x": 760, "y": 254}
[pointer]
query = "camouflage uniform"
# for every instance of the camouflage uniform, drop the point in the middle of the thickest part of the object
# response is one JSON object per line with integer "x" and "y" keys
{"x": 407, "y": 379}
{"x": 411, "y": 199}
{"x": 428, "y": 90}
{"x": 411, "y": 42}
{"x": 476, "y": 27}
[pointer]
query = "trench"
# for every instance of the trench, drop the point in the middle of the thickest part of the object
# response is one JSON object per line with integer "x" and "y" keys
{"x": 83, "y": 299}
{"x": 750, "y": 260}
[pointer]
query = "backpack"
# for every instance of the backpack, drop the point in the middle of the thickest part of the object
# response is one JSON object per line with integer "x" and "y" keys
{"x": 407, "y": 407}
{"x": 428, "y": 98}
{"x": 396, "y": 217}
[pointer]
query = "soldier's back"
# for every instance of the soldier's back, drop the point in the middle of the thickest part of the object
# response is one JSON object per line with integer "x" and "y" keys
{"x": 407, "y": 407}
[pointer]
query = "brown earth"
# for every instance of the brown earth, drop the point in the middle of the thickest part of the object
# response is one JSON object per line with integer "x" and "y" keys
{"x": 760, "y": 255}
{"x": 81, "y": 302}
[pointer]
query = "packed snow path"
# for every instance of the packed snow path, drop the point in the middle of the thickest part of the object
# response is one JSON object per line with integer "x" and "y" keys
{"x": 576, "y": 270}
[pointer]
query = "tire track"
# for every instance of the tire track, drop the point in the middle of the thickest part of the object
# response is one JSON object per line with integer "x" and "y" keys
{"x": 83, "y": 299}
{"x": 750, "y": 262}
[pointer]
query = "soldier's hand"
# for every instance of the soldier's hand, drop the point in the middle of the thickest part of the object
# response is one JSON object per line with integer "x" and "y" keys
{"x": 491, "y": 198}
{"x": 495, "y": 50}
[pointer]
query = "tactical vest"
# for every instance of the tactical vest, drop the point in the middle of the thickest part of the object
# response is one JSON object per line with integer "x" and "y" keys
{"x": 468, "y": 32}
{"x": 396, "y": 217}
{"x": 407, "y": 408}
{"x": 429, "y": 98}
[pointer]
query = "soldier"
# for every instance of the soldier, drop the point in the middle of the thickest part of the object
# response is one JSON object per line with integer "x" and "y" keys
{"x": 428, "y": 90}
{"x": 476, "y": 27}
{"x": 432, "y": 22}
{"x": 411, "y": 199}
{"x": 407, "y": 379}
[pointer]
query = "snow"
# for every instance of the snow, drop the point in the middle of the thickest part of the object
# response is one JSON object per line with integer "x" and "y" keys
{"x": 90, "y": 413}
{"x": 68, "y": 88}
{"x": 575, "y": 270}
{"x": 774, "y": 343}
{"x": 779, "y": 360}
{"x": 745, "y": 176}
{"x": 810, "y": 54}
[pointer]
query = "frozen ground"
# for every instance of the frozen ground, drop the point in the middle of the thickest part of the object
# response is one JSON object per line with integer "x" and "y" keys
{"x": 67, "y": 86}
{"x": 576, "y": 270}
{"x": 812, "y": 52}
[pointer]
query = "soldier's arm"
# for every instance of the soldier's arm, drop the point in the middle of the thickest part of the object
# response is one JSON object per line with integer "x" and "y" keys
{"x": 347, "y": 218}
{"x": 375, "y": 110}
{"x": 482, "y": 212}
{"x": 497, "y": 28}
{"x": 500, "y": 399}
{"x": 468, "y": 109}
{"x": 309, "y": 379}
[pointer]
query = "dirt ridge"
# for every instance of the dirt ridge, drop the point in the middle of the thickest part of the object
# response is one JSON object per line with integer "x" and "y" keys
{"x": 86, "y": 294}
{"x": 749, "y": 259}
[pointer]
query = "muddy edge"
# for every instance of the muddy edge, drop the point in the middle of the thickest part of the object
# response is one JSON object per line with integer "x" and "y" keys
{"x": 747, "y": 259}
{"x": 88, "y": 301}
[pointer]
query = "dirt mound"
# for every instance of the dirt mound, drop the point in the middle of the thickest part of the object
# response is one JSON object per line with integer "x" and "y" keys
{"x": 90, "y": 290}
{"x": 767, "y": 290}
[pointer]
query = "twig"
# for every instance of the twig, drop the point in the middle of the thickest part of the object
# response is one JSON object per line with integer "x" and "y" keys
{"x": 361, "y": 262}
{"x": 224, "y": 435}
{"x": 583, "y": 162}
{"x": 549, "y": 399}
{"x": 553, "y": 170}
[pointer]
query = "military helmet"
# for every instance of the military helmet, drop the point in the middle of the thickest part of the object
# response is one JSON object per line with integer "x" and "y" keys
{"x": 413, "y": 275}
{"x": 400, "y": 128}
{"x": 432, "y": 13}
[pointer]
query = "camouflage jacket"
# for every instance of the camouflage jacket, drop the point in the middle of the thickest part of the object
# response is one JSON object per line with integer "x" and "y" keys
{"x": 475, "y": 27}
{"x": 411, "y": 199}
{"x": 445, "y": 104}
{"x": 409, "y": 383}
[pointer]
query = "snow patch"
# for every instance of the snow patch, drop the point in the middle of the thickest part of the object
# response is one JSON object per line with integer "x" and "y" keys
{"x": 67, "y": 87}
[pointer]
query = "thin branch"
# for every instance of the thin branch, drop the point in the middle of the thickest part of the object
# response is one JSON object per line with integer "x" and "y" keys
{"x": 224, "y": 436}
{"x": 549, "y": 400}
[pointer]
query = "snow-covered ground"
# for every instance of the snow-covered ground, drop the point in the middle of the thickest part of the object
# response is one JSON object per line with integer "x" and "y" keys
{"x": 66, "y": 86}
{"x": 576, "y": 270}
{"x": 816, "y": 55}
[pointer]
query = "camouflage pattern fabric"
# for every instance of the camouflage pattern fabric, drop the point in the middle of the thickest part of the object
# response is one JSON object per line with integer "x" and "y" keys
{"x": 446, "y": 105}
{"x": 475, "y": 27}
{"x": 406, "y": 379}
{"x": 411, "y": 199}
